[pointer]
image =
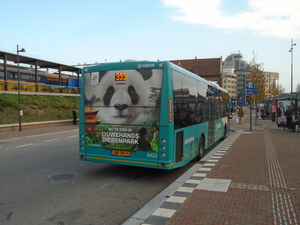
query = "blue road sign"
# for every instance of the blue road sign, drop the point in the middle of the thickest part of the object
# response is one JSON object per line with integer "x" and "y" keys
{"x": 241, "y": 101}
{"x": 252, "y": 91}
{"x": 250, "y": 85}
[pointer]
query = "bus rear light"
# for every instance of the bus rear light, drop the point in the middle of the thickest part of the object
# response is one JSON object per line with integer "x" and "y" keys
{"x": 164, "y": 141}
{"x": 163, "y": 165}
{"x": 163, "y": 147}
{"x": 163, "y": 154}
{"x": 82, "y": 156}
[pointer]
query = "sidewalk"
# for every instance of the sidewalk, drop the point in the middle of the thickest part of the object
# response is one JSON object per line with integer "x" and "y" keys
{"x": 254, "y": 178}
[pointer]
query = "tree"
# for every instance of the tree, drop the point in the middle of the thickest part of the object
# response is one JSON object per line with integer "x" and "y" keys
{"x": 256, "y": 75}
{"x": 276, "y": 90}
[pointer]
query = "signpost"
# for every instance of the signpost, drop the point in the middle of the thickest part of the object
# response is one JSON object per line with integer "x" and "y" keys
{"x": 250, "y": 91}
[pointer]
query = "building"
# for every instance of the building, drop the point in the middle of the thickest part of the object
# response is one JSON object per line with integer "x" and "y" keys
{"x": 209, "y": 69}
{"x": 271, "y": 79}
{"x": 235, "y": 61}
{"x": 229, "y": 80}
{"x": 241, "y": 69}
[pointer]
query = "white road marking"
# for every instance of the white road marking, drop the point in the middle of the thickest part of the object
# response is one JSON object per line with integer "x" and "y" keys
{"x": 20, "y": 146}
{"x": 73, "y": 136}
{"x": 51, "y": 140}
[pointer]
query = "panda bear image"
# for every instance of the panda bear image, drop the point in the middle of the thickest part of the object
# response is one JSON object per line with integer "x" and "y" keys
{"x": 133, "y": 100}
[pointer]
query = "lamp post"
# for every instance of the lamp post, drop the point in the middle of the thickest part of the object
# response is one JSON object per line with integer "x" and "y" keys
{"x": 19, "y": 100}
{"x": 291, "y": 51}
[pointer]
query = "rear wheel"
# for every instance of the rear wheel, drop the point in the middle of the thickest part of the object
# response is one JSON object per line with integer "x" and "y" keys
{"x": 200, "y": 148}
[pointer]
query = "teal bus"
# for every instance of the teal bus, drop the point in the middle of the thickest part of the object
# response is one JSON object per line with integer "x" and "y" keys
{"x": 151, "y": 114}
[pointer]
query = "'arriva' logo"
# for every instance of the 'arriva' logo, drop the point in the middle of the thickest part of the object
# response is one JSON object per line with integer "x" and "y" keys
{"x": 189, "y": 140}
{"x": 139, "y": 66}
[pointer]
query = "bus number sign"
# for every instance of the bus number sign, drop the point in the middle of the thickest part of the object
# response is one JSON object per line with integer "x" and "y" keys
{"x": 120, "y": 153}
{"x": 120, "y": 76}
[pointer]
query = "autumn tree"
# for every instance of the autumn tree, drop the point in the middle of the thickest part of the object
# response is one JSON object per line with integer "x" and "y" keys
{"x": 256, "y": 75}
{"x": 276, "y": 90}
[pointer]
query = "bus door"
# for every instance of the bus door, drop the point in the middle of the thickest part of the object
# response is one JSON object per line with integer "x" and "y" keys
{"x": 211, "y": 117}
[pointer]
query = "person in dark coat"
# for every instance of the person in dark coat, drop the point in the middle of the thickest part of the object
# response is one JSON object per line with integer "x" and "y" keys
{"x": 289, "y": 118}
{"x": 74, "y": 113}
{"x": 295, "y": 122}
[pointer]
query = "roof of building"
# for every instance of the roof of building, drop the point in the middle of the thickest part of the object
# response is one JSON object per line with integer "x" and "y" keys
{"x": 211, "y": 66}
{"x": 41, "y": 63}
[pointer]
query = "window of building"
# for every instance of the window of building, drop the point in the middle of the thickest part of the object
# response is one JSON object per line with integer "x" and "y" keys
{"x": 195, "y": 69}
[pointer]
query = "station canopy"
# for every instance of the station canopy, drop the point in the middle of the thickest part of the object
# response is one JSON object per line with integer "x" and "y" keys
{"x": 41, "y": 63}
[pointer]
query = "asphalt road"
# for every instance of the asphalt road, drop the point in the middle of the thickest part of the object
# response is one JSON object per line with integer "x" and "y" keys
{"x": 43, "y": 182}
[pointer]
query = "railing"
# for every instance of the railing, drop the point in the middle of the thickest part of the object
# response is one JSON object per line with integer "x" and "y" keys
{"x": 44, "y": 88}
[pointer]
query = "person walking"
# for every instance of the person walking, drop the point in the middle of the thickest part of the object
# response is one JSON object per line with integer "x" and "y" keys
{"x": 74, "y": 114}
{"x": 289, "y": 118}
{"x": 240, "y": 114}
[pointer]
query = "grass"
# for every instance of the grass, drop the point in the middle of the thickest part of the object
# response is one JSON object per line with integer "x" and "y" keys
{"x": 36, "y": 108}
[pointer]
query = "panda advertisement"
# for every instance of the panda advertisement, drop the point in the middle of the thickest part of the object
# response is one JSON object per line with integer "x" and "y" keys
{"x": 122, "y": 109}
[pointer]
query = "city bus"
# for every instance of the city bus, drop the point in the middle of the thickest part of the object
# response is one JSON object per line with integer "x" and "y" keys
{"x": 151, "y": 114}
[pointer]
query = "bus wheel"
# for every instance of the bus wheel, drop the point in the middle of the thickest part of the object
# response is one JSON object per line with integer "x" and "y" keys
{"x": 200, "y": 149}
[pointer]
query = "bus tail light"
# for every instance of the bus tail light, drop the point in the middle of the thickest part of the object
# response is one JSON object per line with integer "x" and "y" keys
{"x": 163, "y": 154}
{"x": 82, "y": 156}
{"x": 163, "y": 165}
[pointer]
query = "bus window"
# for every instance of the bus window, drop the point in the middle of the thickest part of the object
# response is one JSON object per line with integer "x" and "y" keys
{"x": 202, "y": 108}
{"x": 189, "y": 86}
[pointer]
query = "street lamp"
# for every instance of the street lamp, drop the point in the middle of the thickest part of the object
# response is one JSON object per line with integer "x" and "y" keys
{"x": 291, "y": 51}
{"x": 19, "y": 100}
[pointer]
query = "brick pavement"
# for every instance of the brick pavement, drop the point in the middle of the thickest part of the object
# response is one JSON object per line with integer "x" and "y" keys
{"x": 264, "y": 169}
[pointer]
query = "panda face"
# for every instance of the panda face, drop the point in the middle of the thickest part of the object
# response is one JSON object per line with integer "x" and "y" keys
{"x": 126, "y": 102}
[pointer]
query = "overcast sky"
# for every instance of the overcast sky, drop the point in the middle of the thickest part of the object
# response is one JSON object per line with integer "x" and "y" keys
{"x": 89, "y": 31}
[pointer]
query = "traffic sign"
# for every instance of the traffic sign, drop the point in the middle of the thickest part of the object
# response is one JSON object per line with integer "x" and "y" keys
{"x": 250, "y": 85}
{"x": 251, "y": 91}
{"x": 241, "y": 101}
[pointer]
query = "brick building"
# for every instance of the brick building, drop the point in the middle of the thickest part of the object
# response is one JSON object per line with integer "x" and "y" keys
{"x": 210, "y": 69}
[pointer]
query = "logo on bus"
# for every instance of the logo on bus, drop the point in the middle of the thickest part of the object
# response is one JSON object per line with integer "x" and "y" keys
{"x": 189, "y": 140}
{"x": 139, "y": 66}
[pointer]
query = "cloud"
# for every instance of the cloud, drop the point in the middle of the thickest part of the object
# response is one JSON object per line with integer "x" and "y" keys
{"x": 269, "y": 18}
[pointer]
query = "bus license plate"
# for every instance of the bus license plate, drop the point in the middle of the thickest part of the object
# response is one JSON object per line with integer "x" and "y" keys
{"x": 121, "y": 153}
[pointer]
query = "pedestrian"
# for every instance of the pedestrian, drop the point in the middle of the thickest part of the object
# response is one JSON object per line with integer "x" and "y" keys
{"x": 240, "y": 114}
{"x": 262, "y": 112}
{"x": 74, "y": 113}
{"x": 289, "y": 118}
{"x": 295, "y": 122}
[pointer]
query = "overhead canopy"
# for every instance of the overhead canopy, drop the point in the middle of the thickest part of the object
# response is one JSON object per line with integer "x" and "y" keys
{"x": 41, "y": 63}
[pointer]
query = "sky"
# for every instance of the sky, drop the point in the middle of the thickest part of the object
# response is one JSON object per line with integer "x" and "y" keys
{"x": 97, "y": 31}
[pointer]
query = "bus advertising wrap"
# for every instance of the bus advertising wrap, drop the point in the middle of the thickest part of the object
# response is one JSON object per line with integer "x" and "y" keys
{"x": 122, "y": 109}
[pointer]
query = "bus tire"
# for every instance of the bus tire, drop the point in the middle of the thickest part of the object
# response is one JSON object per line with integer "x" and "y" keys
{"x": 201, "y": 148}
